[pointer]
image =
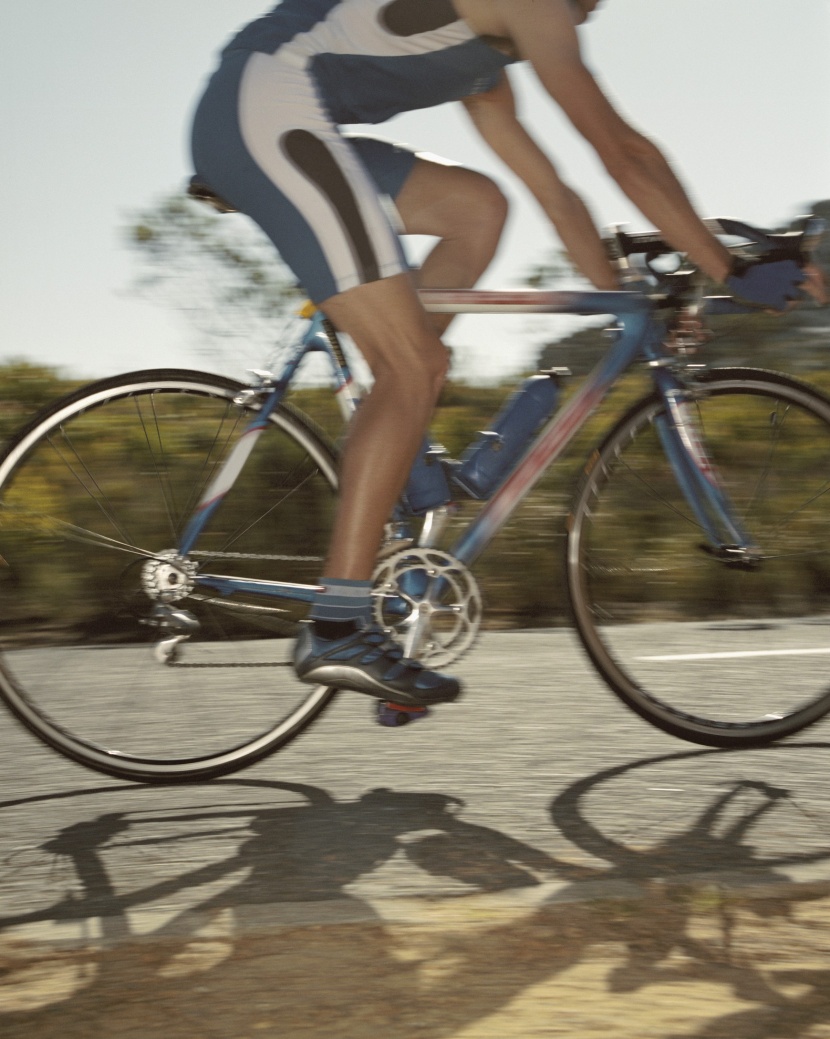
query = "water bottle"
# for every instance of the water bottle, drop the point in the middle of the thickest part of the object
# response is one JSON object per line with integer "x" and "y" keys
{"x": 427, "y": 487}
{"x": 488, "y": 460}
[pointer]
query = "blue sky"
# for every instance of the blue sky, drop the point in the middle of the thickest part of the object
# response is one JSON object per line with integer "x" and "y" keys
{"x": 94, "y": 111}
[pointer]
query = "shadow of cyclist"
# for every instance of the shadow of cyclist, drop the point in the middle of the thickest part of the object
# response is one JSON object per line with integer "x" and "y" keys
{"x": 309, "y": 852}
{"x": 303, "y": 852}
{"x": 715, "y": 843}
{"x": 382, "y": 978}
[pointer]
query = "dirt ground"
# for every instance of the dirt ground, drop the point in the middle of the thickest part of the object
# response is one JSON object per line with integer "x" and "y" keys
{"x": 690, "y": 964}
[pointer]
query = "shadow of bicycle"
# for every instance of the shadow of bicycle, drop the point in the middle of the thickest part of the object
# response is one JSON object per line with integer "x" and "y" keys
{"x": 253, "y": 907}
{"x": 718, "y": 911}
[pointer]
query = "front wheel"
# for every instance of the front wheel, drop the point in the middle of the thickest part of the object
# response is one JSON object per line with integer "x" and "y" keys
{"x": 717, "y": 654}
{"x": 110, "y": 649}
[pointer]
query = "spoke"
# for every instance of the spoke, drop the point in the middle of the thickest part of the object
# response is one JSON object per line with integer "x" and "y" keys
{"x": 82, "y": 535}
{"x": 777, "y": 422}
{"x": 289, "y": 493}
{"x": 215, "y": 456}
{"x": 622, "y": 468}
{"x": 162, "y": 475}
{"x": 95, "y": 493}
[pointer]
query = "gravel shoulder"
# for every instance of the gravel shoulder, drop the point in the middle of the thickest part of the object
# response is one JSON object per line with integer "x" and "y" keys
{"x": 688, "y": 962}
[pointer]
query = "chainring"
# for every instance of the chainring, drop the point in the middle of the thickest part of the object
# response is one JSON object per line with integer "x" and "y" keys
{"x": 430, "y": 604}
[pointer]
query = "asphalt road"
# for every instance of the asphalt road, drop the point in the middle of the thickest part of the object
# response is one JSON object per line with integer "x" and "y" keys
{"x": 533, "y": 861}
{"x": 538, "y": 785}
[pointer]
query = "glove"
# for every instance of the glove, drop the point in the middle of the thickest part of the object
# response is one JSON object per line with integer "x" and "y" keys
{"x": 768, "y": 282}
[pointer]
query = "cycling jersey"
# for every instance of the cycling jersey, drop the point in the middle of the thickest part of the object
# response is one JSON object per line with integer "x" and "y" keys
{"x": 266, "y": 133}
{"x": 373, "y": 59}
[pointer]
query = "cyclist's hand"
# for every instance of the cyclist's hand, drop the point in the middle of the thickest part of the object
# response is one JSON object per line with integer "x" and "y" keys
{"x": 767, "y": 282}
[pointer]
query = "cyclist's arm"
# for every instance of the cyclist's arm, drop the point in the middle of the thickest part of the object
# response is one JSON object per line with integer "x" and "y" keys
{"x": 494, "y": 115}
{"x": 544, "y": 34}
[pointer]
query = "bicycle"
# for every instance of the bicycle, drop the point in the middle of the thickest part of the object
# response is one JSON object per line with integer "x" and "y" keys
{"x": 162, "y": 533}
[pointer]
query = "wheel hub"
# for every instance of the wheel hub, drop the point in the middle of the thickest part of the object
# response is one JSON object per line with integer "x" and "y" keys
{"x": 168, "y": 577}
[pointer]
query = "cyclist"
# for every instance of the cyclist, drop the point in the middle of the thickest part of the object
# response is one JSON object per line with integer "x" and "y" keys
{"x": 267, "y": 138}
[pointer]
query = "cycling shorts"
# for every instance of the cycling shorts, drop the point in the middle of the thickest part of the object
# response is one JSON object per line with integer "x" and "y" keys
{"x": 262, "y": 139}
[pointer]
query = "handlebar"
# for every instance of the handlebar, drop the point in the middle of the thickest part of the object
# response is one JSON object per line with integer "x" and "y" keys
{"x": 638, "y": 255}
{"x": 797, "y": 244}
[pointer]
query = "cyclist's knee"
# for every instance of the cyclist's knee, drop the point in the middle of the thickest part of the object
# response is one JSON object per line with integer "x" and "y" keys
{"x": 454, "y": 204}
{"x": 437, "y": 368}
{"x": 420, "y": 367}
{"x": 492, "y": 204}
{"x": 473, "y": 228}
{"x": 478, "y": 212}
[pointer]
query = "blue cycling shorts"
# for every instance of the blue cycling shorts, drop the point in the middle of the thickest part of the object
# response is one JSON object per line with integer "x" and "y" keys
{"x": 263, "y": 140}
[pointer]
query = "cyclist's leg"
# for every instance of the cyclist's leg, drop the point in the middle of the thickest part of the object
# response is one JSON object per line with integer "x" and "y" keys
{"x": 465, "y": 210}
{"x": 264, "y": 142}
{"x": 408, "y": 362}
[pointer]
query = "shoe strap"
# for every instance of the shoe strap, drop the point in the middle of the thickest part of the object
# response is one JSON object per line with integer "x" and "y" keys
{"x": 387, "y": 648}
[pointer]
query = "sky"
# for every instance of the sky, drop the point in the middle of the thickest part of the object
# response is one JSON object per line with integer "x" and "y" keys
{"x": 95, "y": 103}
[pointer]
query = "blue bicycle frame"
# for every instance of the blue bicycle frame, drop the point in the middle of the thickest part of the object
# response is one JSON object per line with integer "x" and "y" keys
{"x": 640, "y": 335}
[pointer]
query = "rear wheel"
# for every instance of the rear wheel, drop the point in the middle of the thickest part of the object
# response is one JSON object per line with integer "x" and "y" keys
{"x": 110, "y": 650}
{"x": 714, "y": 653}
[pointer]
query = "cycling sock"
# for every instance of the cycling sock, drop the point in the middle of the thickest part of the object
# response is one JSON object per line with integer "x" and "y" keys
{"x": 341, "y": 607}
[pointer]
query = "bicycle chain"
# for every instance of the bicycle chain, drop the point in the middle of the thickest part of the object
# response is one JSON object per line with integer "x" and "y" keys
{"x": 254, "y": 555}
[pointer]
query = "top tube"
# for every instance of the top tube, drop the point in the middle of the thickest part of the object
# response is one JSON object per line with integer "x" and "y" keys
{"x": 532, "y": 301}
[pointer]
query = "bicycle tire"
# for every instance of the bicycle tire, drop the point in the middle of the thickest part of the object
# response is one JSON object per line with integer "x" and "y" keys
{"x": 93, "y": 491}
{"x": 711, "y": 653}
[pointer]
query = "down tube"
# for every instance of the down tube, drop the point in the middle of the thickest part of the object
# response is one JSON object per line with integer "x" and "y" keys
{"x": 555, "y": 437}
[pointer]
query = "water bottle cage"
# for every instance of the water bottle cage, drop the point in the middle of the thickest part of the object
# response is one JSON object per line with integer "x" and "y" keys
{"x": 494, "y": 440}
{"x": 488, "y": 461}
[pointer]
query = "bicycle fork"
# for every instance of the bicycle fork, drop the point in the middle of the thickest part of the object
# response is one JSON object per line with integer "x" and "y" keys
{"x": 683, "y": 440}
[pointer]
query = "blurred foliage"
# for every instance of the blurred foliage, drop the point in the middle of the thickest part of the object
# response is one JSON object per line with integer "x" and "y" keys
{"x": 24, "y": 389}
{"x": 520, "y": 575}
{"x": 220, "y": 272}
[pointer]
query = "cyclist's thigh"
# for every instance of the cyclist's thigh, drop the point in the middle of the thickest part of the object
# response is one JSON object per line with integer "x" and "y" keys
{"x": 433, "y": 196}
{"x": 264, "y": 142}
{"x": 388, "y": 164}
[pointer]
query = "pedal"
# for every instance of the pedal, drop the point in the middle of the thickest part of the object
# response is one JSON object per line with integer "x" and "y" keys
{"x": 393, "y": 715}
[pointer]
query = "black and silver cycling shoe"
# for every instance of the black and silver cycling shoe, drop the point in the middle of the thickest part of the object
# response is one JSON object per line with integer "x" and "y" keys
{"x": 368, "y": 661}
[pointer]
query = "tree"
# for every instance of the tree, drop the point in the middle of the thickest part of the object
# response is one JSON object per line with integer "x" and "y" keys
{"x": 220, "y": 271}
{"x": 25, "y": 388}
{"x": 554, "y": 271}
